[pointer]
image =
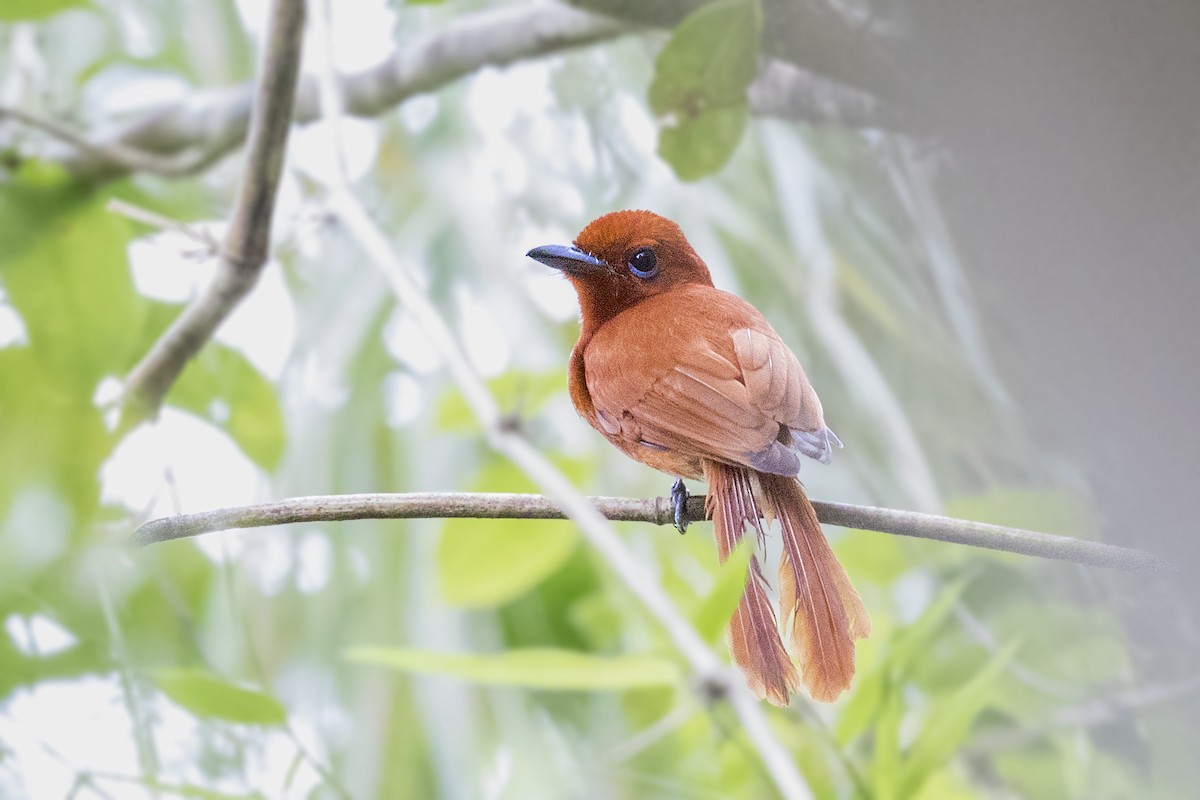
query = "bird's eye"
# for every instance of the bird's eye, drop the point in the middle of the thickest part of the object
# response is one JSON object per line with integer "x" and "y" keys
{"x": 643, "y": 263}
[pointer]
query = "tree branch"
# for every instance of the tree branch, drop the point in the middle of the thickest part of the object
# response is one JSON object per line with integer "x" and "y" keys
{"x": 209, "y": 124}
{"x": 128, "y": 158}
{"x": 244, "y": 251}
{"x": 786, "y": 91}
{"x": 186, "y": 137}
{"x": 656, "y": 511}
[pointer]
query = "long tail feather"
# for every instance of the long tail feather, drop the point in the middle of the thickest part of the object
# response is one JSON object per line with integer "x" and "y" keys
{"x": 753, "y": 633}
{"x": 818, "y": 605}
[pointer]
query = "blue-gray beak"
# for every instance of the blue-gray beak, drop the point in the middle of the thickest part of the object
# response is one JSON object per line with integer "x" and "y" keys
{"x": 567, "y": 259}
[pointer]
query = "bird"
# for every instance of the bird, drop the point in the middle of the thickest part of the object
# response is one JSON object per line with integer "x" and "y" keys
{"x": 693, "y": 381}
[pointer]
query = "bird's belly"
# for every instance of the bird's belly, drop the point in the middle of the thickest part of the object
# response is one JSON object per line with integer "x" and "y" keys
{"x": 672, "y": 462}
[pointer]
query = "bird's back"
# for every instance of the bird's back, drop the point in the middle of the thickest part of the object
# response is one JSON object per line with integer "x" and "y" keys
{"x": 695, "y": 373}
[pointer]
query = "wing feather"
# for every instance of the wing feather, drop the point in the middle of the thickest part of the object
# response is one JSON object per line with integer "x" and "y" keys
{"x": 740, "y": 396}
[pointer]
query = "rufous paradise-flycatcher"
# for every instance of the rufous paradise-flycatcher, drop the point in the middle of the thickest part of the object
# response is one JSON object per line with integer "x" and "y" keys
{"x": 693, "y": 381}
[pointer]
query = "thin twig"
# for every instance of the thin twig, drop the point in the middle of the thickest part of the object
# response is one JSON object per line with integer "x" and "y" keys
{"x": 145, "y": 216}
{"x": 244, "y": 251}
{"x": 784, "y": 90}
{"x": 122, "y": 157}
{"x": 656, "y": 511}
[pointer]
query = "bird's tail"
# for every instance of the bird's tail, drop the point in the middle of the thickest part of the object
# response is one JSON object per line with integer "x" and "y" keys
{"x": 821, "y": 612}
{"x": 753, "y": 634}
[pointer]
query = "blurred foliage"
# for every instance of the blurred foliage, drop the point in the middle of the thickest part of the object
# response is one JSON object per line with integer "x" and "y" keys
{"x": 14, "y": 10}
{"x": 534, "y": 668}
{"x": 700, "y": 81}
{"x": 212, "y": 698}
{"x": 516, "y": 665}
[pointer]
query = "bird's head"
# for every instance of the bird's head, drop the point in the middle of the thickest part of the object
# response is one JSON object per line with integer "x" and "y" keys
{"x": 622, "y": 258}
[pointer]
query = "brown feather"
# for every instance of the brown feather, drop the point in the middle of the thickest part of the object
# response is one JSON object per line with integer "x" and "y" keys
{"x": 818, "y": 605}
{"x": 754, "y": 640}
{"x": 685, "y": 385}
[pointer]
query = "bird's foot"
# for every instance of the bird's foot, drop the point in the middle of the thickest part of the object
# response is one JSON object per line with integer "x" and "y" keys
{"x": 679, "y": 496}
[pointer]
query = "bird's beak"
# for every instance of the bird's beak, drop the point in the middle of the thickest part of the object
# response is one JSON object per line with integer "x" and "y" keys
{"x": 568, "y": 259}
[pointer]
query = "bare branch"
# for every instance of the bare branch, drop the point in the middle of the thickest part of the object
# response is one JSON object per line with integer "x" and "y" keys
{"x": 209, "y": 124}
{"x": 245, "y": 248}
{"x": 991, "y": 537}
{"x": 656, "y": 511}
{"x": 789, "y": 92}
{"x": 122, "y": 157}
{"x": 145, "y": 216}
{"x": 188, "y": 136}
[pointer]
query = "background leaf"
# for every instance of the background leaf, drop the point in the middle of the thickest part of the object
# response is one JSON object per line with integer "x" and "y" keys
{"x": 712, "y": 615}
{"x": 221, "y": 386}
{"x": 484, "y": 563}
{"x": 209, "y": 696}
{"x": 488, "y": 562}
{"x": 534, "y": 668}
{"x": 699, "y": 86}
{"x": 949, "y": 724}
{"x": 15, "y": 10}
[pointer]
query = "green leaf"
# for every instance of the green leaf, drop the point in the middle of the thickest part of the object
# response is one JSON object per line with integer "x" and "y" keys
{"x": 699, "y": 146}
{"x": 699, "y": 85}
{"x": 949, "y": 724}
{"x": 897, "y": 663}
{"x": 713, "y": 613}
{"x": 534, "y": 668}
{"x": 913, "y": 642}
{"x": 887, "y": 766}
{"x": 863, "y": 706}
{"x": 47, "y": 434}
{"x": 15, "y": 10}
{"x": 63, "y": 265}
{"x": 208, "y": 696}
{"x": 709, "y": 60}
{"x": 490, "y": 562}
{"x": 871, "y": 556}
{"x": 221, "y": 386}
{"x": 484, "y": 563}
{"x": 64, "y": 272}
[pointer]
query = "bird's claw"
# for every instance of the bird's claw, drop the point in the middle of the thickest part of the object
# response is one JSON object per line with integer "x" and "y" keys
{"x": 679, "y": 496}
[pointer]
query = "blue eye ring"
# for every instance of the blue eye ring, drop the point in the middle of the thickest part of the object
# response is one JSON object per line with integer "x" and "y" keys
{"x": 643, "y": 263}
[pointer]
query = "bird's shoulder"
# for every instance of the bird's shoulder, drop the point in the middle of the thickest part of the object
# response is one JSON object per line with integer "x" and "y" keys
{"x": 665, "y": 329}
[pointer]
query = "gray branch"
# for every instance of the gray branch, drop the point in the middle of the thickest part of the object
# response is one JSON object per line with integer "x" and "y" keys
{"x": 186, "y": 137}
{"x": 786, "y": 91}
{"x": 203, "y": 128}
{"x": 657, "y": 511}
{"x": 244, "y": 251}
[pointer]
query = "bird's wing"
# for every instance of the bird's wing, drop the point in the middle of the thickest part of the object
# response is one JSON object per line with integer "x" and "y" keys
{"x": 738, "y": 395}
{"x": 780, "y": 389}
